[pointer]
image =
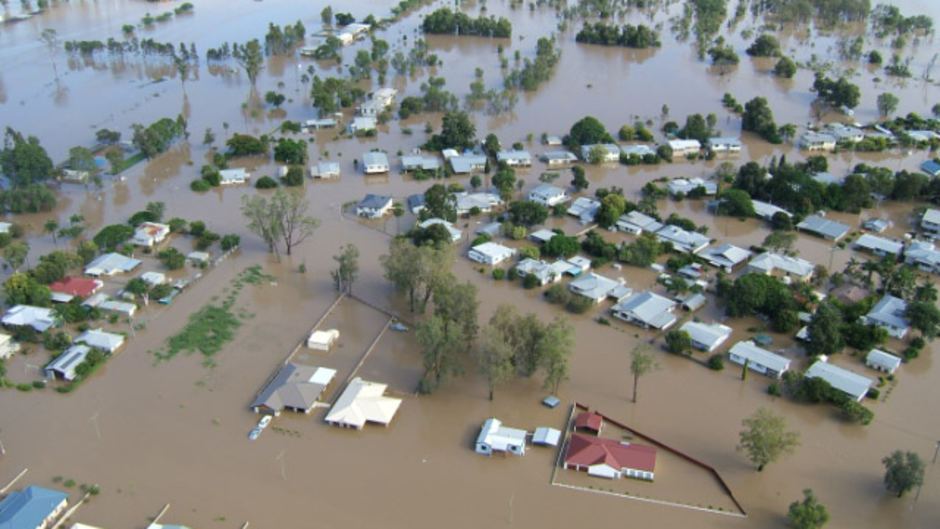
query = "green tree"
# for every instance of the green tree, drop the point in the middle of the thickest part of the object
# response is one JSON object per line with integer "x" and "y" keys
{"x": 785, "y": 68}
{"x": 491, "y": 145}
{"x": 766, "y": 45}
{"x": 758, "y": 118}
{"x": 250, "y": 57}
{"x": 111, "y": 236}
{"x": 21, "y": 289}
{"x": 87, "y": 250}
{"x": 326, "y": 15}
{"x": 579, "y": 182}
{"x": 838, "y": 93}
{"x": 765, "y": 438}
{"x": 641, "y": 364}
{"x": 457, "y": 132}
{"x": 678, "y": 342}
{"x": 887, "y": 104}
{"x": 505, "y": 182}
{"x": 23, "y": 159}
{"x": 825, "y": 331}
{"x": 274, "y": 99}
{"x": 291, "y": 152}
{"x": 494, "y": 358}
{"x": 527, "y": 213}
{"x": 440, "y": 202}
{"x": 15, "y": 254}
{"x": 416, "y": 270}
{"x": 925, "y": 317}
{"x": 779, "y": 241}
{"x": 52, "y": 227}
{"x": 347, "y": 268}
{"x": 587, "y": 131}
{"x": 903, "y": 472}
{"x": 808, "y": 513}
{"x": 736, "y": 203}
{"x": 613, "y": 205}
{"x": 554, "y": 351}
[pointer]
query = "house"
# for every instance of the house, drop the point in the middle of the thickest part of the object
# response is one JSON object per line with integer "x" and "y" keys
{"x": 766, "y": 211}
{"x": 758, "y": 359}
{"x": 317, "y": 124}
{"x": 108, "y": 342}
{"x": 414, "y": 162}
{"x": 684, "y": 147}
{"x": 455, "y": 234}
{"x": 514, "y": 158}
{"x": 775, "y": 264}
{"x": 380, "y": 100}
{"x": 362, "y": 125}
{"x": 922, "y": 136}
{"x": 725, "y": 144}
{"x": 551, "y": 140}
{"x": 39, "y": 318}
{"x": 67, "y": 288}
{"x": 322, "y": 340}
{"x": 878, "y": 245}
{"x": 198, "y": 258}
{"x": 646, "y": 309}
{"x": 7, "y": 346}
{"x": 637, "y": 150}
{"x": 295, "y": 388}
{"x": 490, "y": 253}
{"x": 845, "y": 133}
{"x": 584, "y": 209}
{"x": 374, "y": 206}
{"x": 482, "y": 201}
{"x": 823, "y": 227}
{"x": 111, "y": 264}
{"x": 882, "y": 361}
{"x": 609, "y": 458}
{"x": 363, "y": 402}
{"x": 233, "y": 176}
{"x": 548, "y": 195}
{"x": 119, "y": 307}
{"x": 543, "y": 272}
{"x": 694, "y": 301}
{"x": 5, "y": 227}
{"x": 542, "y": 236}
{"x": 375, "y": 162}
{"x": 815, "y": 141}
{"x": 153, "y": 278}
{"x": 546, "y": 436}
{"x": 848, "y": 382}
{"x": 923, "y": 255}
{"x": 930, "y": 221}
{"x": 494, "y": 437}
{"x": 492, "y": 229}
{"x": 726, "y": 256}
{"x": 636, "y": 223}
{"x": 558, "y": 158}
{"x": 931, "y": 167}
{"x": 63, "y": 366}
{"x": 706, "y": 336}
{"x": 32, "y": 508}
{"x": 876, "y": 225}
{"x": 589, "y": 421}
{"x": 467, "y": 163}
{"x": 594, "y": 287}
{"x": 609, "y": 152}
{"x": 578, "y": 265}
{"x": 415, "y": 203}
{"x": 682, "y": 240}
{"x": 149, "y": 234}
{"x": 889, "y": 314}
{"x": 684, "y": 186}
{"x": 325, "y": 170}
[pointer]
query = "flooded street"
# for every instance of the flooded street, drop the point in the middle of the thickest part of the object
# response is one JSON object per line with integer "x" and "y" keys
{"x": 175, "y": 432}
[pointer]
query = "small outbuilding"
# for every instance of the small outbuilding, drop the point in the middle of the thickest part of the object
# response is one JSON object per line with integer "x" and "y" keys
{"x": 494, "y": 437}
{"x": 323, "y": 340}
{"x": 882, "y": 361}
{"x": 589, "y": 421}
{"x": 544, "y": 436}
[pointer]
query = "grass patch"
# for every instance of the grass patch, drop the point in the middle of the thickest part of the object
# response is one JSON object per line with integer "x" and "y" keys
{"x": 127, "y": 163}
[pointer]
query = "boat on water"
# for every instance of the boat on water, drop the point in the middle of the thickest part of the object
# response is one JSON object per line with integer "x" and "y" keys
{"x": 254, "y": 433}
{"x": 264, "y": 422}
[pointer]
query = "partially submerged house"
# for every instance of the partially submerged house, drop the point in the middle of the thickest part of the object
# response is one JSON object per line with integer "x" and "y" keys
{"x": 68, "y": 288}
{"x": 882, "y": 361}
{"x": 682, "y": 240}
{"x": 889, "y": 314}
{"x": 879, "y": 246}
{"x": 706, "y": 336}
{"x": 149, "y": 234}
{"x": 726, "y": 256}
{"x": 923, "y": 255}
{"x": 608, "y": 152}
{"x": 597, "y": 287}
{"x": 39, "y": 318}
{"x": 823, "y": 227}
{"x": 930, "y": 221}
{"x": 724, "y": 144}
{"x": 455, "y": 234}
{"x": 683, "y": 186}
{"x": 778, "y": 265}
{"x": 545, "y": 436}
{"x": 636, "y": 223}
{"x": 558, "y": 158}
{"x": 363, "y": 402}
{"x": 542, "y": 236}
{"x": 494, "y": 437}
{"x": 32, "y": 508}
{"x": 852, "y": 384}
{"x": 609, "y": 458}
{"x": 758, "y": 359}
{"x": 381, "y": 99}
{"x": 931, "y": 167}
{"x": 684, "y": 147}
{"x": 102, "y": 340}
{"x": 415, "y": 162}
{"x": 63, "y": 366}
{"x": 490, "y": 253}
{"x": 584, "y": 209}
{"x": 374, "y": 206}
{"x": 766, "y": 210}
{"x": 416, "y": 203}
{"x": 465, "y": 163}
{"x": 375, "y": 162}
{"x": 325, "y": 170}
{"x": 637, "y": 149}
{"x": 233, "y": 176}
{"x": 646, "y": 309}
{"x": 483, "y": 201}
{"x": 111, "y": 264}
{"x": 294, "y": 388}
{"x": 876, "y": 225}
{"x": 815, "y": 141}
{"x": 548, "y": 195}
{"x": 543, "y": 272}
{"x": 514, "y": 158}
{"x": 362, "y": 125}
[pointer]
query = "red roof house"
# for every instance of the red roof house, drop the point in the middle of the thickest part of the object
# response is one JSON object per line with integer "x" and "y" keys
{"x": 70, "y": 287}
{"x": 609, "y": 458}
{"x": 589, "y": 421}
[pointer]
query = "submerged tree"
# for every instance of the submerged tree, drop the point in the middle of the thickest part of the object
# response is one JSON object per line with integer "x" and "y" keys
{"x": 51, "y": 39}
{"x": 347, "y": 268}
{"x": 283, "y": 217}
{"x": 251, "y": 58}
{"x": 809, "y": 513}
{"x": 765, "y": 438}
{"x": 641, "y": 363}
{"x": 494, "y": 356}
{"x": 903, "y": 472}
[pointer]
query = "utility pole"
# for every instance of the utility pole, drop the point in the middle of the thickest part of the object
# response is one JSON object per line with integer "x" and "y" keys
{"x": 935, "y": 450}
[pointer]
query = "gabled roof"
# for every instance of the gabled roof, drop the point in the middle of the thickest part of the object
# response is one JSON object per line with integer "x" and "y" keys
{"x": 500, "y": 437}
{"x": 750, "y": 351}
{"x": 931, "y": 216}
{"x": 363, "y": 402}
{"x": 886, "y": 361}
{"x": 767, "y": 211}
{"x": 637, "y": 221}
{"x": 769, "y": 261}
{"x": 824, "y": 227}
{"x": 546, "y": 191}
{"x": 39, "y": 318}
{"x": 371, "y": 201}
{"x": 711, "y": 335}
{"x": 99, "y": 339}
{"x": 690, "y": 241}
{"x": 889, "y": 311}
{"x": 593, "y": 286}
{"x": 874, "y": 243}
{"x": 294, "y": 386}
{"x": 586, "y": 450}
{"x": 64, "y": 365}
{"x": 76, "y": 286}
{"x": 648, "y": 308}
{"x": 375, "y": 158}
{"x": 29, "y": 508}
{"x": 726, "y": 255}
{"x": 844, "y": 380}
{"x": 589, "y": 420}
{"x": 111, "y": 263}
{"x": 514, "y": 156}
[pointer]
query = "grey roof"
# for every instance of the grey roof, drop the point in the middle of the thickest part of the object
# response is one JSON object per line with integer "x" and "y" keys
{"x": 824, "y": 227}
{"x": 750, "y": 351}
{"x": 612, "y": 150}
{"x": 710, "y": 335}
{"x": 647, "y": 308}
{"x": 637, "y": 149}
{"x": 879, "y": 358}
{"x": 546, "y": 192}
{"x": 29, "y": 508}
{"x": 294, "y": 387}
{"x": 593, "y": 286}
{"x": 694, "y": 301}
{"x": 923, "y": 254}
{"x": 725, "y": 255}
{"x": 559, "y": 156}
{"x": 514, "y": 157}
{"x": 826, "y": 178}
{"x": 415, "y": 201}
{"x": 416, "y": 161}
{"x": 492, "y": 229}
{"x": 684, "y": 240}
{"x": 111, "y": 263}
{"x": 880, "y": 245}
{"x": 64, "y": 365}
{"x": 889, "y": 312}
{"x": 466, "y": 163}
{"x": 724, "y": 142}
{"x": 687, "y": 185}
{"x": 99, "y": 339}
{"x": 483, "y": 200}
{"x": 931, "y": 216}
{"x": 769, "y": 262}
{"x": 371, "y": 201}
{"x": 636, "y": 221}
{"x": 546, "y": 436}
{"x": 848, "y": 382}
{"x": 767, "y": 211}
{"x": 876, "y": 225}
{"x": 585, "y": 208}
{"x": 375, "y": 158}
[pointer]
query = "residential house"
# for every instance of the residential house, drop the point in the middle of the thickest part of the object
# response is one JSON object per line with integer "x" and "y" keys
{"x": 542, "y": 236}
{"x": 882, "y": 361}
{"x": 694, "y": 301}
{"x": 363, "y": 402}
{"x": 815, "y": 141}
{"x": 725, "y": 144}
{"x": 931, "y": 167}
{"x": 636, "y": 223}
{"x": 823, "y": 227}
{"x": 39, "y": 318}
{"x": 111, "y": 264}
{"x": 381, "y": 99}
{"x": 374, "y": 206}
{"x": 682, "y": 240}
{"x": 67, "y": 288}
{"x": 780, "y": 265}
{"x": 375, "y": 162}
{"x": 878, "y": 245}
{"x": 930, "y": 221}
{"x": 609, "y": 458}
{"x": 466, "y": 163}
{"x": 154, "y": 278}
{"x": 758, "y": 359}
{"x": 325, "y": 170}
{"x": 848, "y": 382}
{"x": 455, "y": 234}
{"x": 295, "y": 388}
{"x": 596, "y": 287}
{"x": 63, "y": 366}
{"x": 876, "y": 225}
{"x": 414, "y": 162}
{"x": 108, "y": 342}
{"x": 482, "y": 201}
{"x": 552, "y": 140}
{"x": 922, "y": 136}
{"x": 542, "y": 271}
{"x": 826, "y": 178}
{"x": 317, "y": 124}
{"x": 558, "y": 158}
{"x": 706, "y": 336}
{"x": 548, "y": 195}
{"x": 845, "y": 133}
{"x": 637, "y": 150}
{"x": 610, "y": 152}
{"x": 646, "y": 309}
{"x": 149, "y": 234}
{"x": 923, "y": 255}
{"x": 684, "y": 147}
{"x": 490, "y": 253}
{"x": 766, "y": 211}
{"x": 32, "y": 508}
{"x": 684, "y": 186}
{"x": 416, "y": 203}
{"x": 362, "y": 125}
{"x": 578, "y": 265}
{"x": 7, "y": 346}
{"x": 890, "y": 314}
{"x": 494, "y": 437}
{"x": 584, "y": 209}
{"x": 233, "y": 176}
{"x": 726, "y": 256}
{"x": 514, "y": 158}
{"x": 492, "y": 229}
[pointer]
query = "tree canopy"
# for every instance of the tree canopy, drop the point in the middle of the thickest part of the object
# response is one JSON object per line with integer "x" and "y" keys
{"x": 765, "y": 438}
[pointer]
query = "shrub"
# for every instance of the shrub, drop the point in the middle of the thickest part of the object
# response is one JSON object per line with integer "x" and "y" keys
{"x": 716, "y": 362}
{"x": 294, "y": 176}
{"x": 265, "y": 182}
{"x": 579, "y": 304}
{"x": 773, "y": 389}
{"x": 172, "y": 258}
{"x": 499, "y": 274}
{"x": 530, "y": 281}
{"x": 558, "y": 295}
{"x": 855, "y": 412}
{"x": 230, "y": 242}
{"x": 200, "y": 186}
{"x": 873, "y": 393}
{"x": 513, "y": 274}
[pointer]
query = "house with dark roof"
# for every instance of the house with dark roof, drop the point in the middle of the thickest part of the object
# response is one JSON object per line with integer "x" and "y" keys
{"x": 590, "y": 421}
{"x": 294, "y": 388}
{"x": 67, "y": 288}
{"x": 32, "y": 508}
{"x": 374, "y": 206}
{"x": 609, "y": 458}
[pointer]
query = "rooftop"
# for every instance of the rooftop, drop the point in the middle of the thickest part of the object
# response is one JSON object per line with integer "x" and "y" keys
{"x": 363, "y": 402}
{"x": 29, "y": 508}
{"x": 295, "y": 387}
{"x": 587, "y": 450}
{"x": 758, "y": 355}
{"x": 842, "y": 379}
{"x": 829, "y": 229}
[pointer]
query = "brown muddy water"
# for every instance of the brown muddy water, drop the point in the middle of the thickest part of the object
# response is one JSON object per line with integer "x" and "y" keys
{"x": 175, "y": 432}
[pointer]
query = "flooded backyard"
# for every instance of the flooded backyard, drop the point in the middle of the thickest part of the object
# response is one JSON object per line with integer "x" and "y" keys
{"x": 153, "y": 432}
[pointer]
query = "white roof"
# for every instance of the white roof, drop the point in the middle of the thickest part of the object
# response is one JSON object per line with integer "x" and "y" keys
{"x": 485, "y": 201}
{"x": 324, "y": 338}
{"x": 725, "y": 255}
{"x": 546, "y": 192}
{"x": 875, "y": 243}
{"x": 767, "y": 211}
{"x": 689, "y": 241}
{"x": 546, "y": 436}
{"x": 932, "y": 216}
{"x": 322, "y": 376}
{"x": 593, "y": 286}
{"x": 760, "y": 356}
{"x": 637, "y": 149}
{"x": 889, "y": 311}
{"x": 879, "y": 358}
{"x": 824, "y": 227}
{"x": 684, "y": 145}
{"x": 585, "y": 208}
{"x": 518, "y": 156}
{"x": 99, "y": 339}
{"x": 711, "y": 335}
{"x": 686, "y": 185}
{"x": 455, "y": 234}
{"x": 238, "y": 174}
{"x": 648, "y": 308}
{"x": 769, "y": 261}
{"x": 110, "y": 264}
{"x": 637, "y": 221}
{"x": 153, "y": 278}
{"x": 375, "y": 158}
{"x": 496, "y": 251}
{"x": 543, "y": 235}
{"x": 363, "y": 402}
{"x": 499, "y": 437}
{"x": 853, "y": 384}
{"x": 39, "y": 318}
{"x": 200, "y": 257}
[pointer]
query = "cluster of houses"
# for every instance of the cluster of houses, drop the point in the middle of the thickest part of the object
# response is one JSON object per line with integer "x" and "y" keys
{"x": 834, "y": 134}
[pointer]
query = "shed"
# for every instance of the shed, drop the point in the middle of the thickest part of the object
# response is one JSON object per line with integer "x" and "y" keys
{"x": 587, "y": 420}
{"x": 544, "y": 436}
{"x": 323, "y": 340}
{"x": 882, "y": 361}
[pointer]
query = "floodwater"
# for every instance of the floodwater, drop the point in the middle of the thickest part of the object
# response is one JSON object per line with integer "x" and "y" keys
{"x": 175, "y": 432}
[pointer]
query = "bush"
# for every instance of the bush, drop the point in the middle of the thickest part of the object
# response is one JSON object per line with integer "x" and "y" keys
{"x": 773, "y": 389}
{"x": 265, "y": 182}
{"x": 873, "y": 393}
{"x": 513, "y": 274}
{"x": 530, "y": 281}
{"x": 294, "y": 176}
{"x": 855, "y": 412}
{"x": 230, "y": 242}
{"x": 499, "y": 274}
{"x": 480, "y": 239}
{"x": 172, "y": 258}
{"x": 200, "y": 186}
{"x": 557, "y": 295}
{"x": 716, "y": 362}
{"x": 579, "y": 304}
